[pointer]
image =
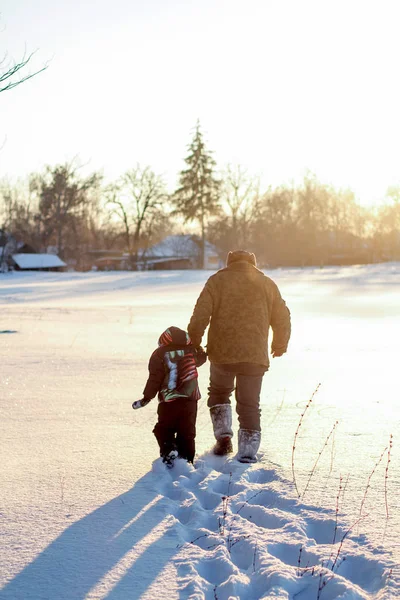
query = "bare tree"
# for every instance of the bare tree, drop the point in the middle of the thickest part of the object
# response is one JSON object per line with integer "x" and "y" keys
{"x": 10, "y": 71}
{"x": 61, "y": 193}
{"x": 137, "y": 201}
{"x": 273, "y": 231}
{"x": 121, "y": 211}
{"x": 387, "y": 225}
{"x": 240, "y": 193}
{"x": 15, "y": 217}
{"x": 7, "y": 247}
{"x": 19, "y": 210}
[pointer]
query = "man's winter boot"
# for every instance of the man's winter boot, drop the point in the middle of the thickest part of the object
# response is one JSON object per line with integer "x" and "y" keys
{"x": 249, "y": 443}
{"x": 223, "y": 446}
{"x": 221, "y": 417}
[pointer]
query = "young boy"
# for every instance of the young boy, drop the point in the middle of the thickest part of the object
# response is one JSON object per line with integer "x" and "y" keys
{"x": 173, "y": 375}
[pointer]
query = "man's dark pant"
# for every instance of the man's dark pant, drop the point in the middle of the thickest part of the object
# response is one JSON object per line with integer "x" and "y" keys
{"x": 247, "y": 392}
{"x": 176, "y": 427}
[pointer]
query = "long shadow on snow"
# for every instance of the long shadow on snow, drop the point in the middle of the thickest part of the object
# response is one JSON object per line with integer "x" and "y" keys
{"x": 87, "y": 550}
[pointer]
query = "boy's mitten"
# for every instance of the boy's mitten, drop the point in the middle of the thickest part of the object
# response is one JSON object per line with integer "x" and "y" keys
{"x": 140, "y": 403}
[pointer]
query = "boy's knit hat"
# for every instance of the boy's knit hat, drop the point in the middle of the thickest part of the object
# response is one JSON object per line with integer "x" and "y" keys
{"x": 174, "y": 335}
{"x": 241, "y": 256}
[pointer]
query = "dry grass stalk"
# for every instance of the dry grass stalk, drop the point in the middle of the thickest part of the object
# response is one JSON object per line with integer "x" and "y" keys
{"x": 369, "y": 479}
{"x": 344, "y": 536}
{"x": 386, "y": 473}
{"x": 337, "y": 509}
{"x": 297, "y": 433}
{"x": 236, "y": 514}
{"x": 323, "y": 581}
{"x": 299, "y": 561}
{"x": 319, "y": 456}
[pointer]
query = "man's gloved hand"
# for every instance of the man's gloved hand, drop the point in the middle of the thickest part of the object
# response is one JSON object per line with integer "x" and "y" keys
{"x": 278, "y": 352}
{"x": 201, "y": 356}
{"x": 140, "y": 403}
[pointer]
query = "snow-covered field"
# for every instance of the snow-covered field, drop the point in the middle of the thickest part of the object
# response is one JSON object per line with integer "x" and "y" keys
{"x": 88, "y": 511}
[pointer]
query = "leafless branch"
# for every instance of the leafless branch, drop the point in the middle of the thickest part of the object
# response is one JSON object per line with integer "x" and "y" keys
{"x": 7, "y": 76}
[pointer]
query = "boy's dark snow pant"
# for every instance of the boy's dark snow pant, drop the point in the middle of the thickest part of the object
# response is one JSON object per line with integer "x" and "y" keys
{"x": 176, "y": 427}
{"x": 248, "y": 387}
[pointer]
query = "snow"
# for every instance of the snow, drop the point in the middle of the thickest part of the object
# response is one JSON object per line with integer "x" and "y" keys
{"x": 38, "y": 261}
{"x": 87, "y": 509}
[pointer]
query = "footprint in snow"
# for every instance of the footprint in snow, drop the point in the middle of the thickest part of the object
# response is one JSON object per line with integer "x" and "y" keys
{"x": 294, "y": 555}
{"x": 225, "y": 486}
{"x": 221, "y": 464}
{"x": 271, "y": 499}
{"x": 202, "y": 537}
{"x": 323, "y": 530}
{"x": 208, "y": 500}
{"x": 174, "y": 491}
{"x": 191, "y": 512}
{"x": 244, "y": 553}
{"x": 362, "y": 571}
{"x": 263, "y": 517}
{"x": 262, "y": 475}
{"x": 217, "y": 569}
{"x": 224, "y": 516}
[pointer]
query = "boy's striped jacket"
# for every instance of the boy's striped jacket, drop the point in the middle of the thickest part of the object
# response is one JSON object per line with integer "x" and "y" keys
{"x": 173, "y": 367}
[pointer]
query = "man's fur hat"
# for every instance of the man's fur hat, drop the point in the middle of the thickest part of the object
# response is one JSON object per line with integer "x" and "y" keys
{"x": 241, "y": 256}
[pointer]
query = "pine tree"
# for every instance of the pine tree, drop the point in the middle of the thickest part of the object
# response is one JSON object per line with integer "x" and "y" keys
{"x": 197, "y": 197}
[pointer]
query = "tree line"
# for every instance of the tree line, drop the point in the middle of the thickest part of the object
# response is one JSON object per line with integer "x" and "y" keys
{"x": 305, "y": 224}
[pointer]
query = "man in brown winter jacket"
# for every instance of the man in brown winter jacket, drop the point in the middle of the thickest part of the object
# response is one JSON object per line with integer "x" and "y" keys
{"x": 241, "y": 304}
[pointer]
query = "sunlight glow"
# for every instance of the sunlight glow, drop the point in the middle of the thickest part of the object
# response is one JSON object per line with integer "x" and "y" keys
{"x": 281, "y": 87}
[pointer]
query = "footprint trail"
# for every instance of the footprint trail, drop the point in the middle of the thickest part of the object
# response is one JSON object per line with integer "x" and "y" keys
{"x": 245, "y": 536}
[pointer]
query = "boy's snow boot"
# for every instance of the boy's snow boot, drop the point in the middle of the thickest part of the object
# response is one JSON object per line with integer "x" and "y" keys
{"x": 168, "y": 459}
{"x": 221, "y": 417}
{"x": 249, "y": 443}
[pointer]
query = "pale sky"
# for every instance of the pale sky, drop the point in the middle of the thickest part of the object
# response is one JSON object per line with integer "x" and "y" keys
{"x": 279, "y": 86}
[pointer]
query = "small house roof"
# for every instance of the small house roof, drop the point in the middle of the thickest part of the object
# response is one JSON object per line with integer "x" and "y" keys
{"x": 179, "y": 246}
{"x": 38, "y": 261}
